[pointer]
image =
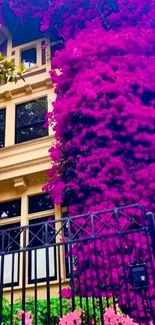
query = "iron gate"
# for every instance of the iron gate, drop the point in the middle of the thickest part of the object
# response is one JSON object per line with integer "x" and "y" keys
{"x": 107, "y": 257}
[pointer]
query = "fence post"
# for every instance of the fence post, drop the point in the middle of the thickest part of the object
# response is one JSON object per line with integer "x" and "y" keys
{"x": 151, "y": 223}
{"x": 24, "y": 275}
{"x": 2, "y": 279}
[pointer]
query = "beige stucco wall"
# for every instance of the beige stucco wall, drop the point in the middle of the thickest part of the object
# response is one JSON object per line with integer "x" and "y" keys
{"x": 23, "y": 167}
{"x": 25, "y": 158}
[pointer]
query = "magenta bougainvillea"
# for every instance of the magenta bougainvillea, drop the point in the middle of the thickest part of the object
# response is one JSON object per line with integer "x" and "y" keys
{"x": 104, "y": 118}
{"x": 104, "y": 157}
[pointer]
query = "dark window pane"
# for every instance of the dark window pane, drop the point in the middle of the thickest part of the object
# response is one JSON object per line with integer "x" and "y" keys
{"x": 40, "y": 202}
{"x": 2, "y": 120}
{"x": 37, "y": 233}
{"x": 31, "y": 133}
{"x": 30, "y": 119}
{"x": 2, "y": 127}
{"x": 10, "y": 209}
{"x": 1, "y": 140}
{"x": 10, "y": 237}
{"x": 32, "y": 112}
{"x": 29, "y": 57}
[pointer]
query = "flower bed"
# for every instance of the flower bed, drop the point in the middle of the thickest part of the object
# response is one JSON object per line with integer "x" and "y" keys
{"x": 90, "y": 306}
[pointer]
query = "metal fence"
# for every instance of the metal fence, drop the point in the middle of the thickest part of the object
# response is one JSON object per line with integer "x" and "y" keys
{"x": 107, "y": 257}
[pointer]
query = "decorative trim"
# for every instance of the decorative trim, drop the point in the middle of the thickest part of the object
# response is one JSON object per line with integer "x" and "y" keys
{"x": 48, "y": 83}
{"x": 7, "y": 94}
{"x": 34, "y": 73}
{"x": 28, "y": 89}
{"x": 43, "y": 164}
{"x": 12, "y": 150}
{"x": 20, "y": 184}
{"x": 38, "y": 179}
{"x": 17, "y": 160}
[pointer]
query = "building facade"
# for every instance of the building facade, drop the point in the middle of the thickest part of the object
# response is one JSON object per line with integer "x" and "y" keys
{"x": 24, "y": 157}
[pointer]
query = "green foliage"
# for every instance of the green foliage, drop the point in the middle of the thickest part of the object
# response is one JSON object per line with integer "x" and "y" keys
{"x": 8, "y": 70}
{"x": 90, "y": 306}
{"x": 6, "y": 312}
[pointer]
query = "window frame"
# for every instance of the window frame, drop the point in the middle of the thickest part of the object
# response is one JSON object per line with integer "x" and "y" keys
{"x": 8, "y": 227}
{"x": 39, "y": 211}
{"x": 30, "y": 125}
{"x": 55, "y": 214}
{"x": 29, "y": 270}
{"x": 23, "y": 49}
{"x": 3, "y": 132}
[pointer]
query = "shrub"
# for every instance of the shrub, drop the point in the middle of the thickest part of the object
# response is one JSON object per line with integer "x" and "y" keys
{"x": 90, "y": 307}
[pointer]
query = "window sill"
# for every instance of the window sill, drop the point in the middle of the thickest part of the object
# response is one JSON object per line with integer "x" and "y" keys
{"x": 27, "y": 143}
{"x": 39, "y": 285}
{"x": 9, "y": 221}
{"x": 41, "y": 214}
{"x": 31, "y": 69}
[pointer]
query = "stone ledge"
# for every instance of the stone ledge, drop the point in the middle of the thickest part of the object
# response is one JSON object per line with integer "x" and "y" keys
{"x": 25, "y": 158}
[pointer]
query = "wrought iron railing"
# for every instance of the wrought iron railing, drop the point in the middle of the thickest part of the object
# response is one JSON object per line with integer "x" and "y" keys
{"x": 106, "y": 259}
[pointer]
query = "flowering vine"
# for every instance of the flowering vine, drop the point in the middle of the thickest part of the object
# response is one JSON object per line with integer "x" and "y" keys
{"x": 104, "y": 156}
{"x": 104, "y": 118}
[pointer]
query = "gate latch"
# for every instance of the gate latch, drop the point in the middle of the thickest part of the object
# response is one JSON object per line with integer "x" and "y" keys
{"x": 139, "y": 276}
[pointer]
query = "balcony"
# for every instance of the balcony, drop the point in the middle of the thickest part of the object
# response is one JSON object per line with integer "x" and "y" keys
{"x": 37, "y": 64}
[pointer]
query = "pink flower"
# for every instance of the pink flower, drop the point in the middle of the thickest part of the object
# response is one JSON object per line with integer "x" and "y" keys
{"x": 111, "y": 318}
{"x": 73, "y": 318}
{"x": 27, "y": 317}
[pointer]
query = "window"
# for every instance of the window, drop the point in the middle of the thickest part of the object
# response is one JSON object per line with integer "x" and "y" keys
{"x": 10, "y": 244}
{"x": 2, "y": 128}
{"x": 29, "y": 57}
{"x": 10, "y": 209}
{"x": 40, "y": 202}
{"x": 40, "y": 232}
{"x": 30, "y": 120}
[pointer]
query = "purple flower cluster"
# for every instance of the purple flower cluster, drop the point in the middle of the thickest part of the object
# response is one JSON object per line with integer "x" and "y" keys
{"x": 104, "y": 118}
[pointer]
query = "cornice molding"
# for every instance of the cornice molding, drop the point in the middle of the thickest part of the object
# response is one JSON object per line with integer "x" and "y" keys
{"x": 26, "y": 158}
{"x": 43, "y": 162}
{"x": 26, "y": 88}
